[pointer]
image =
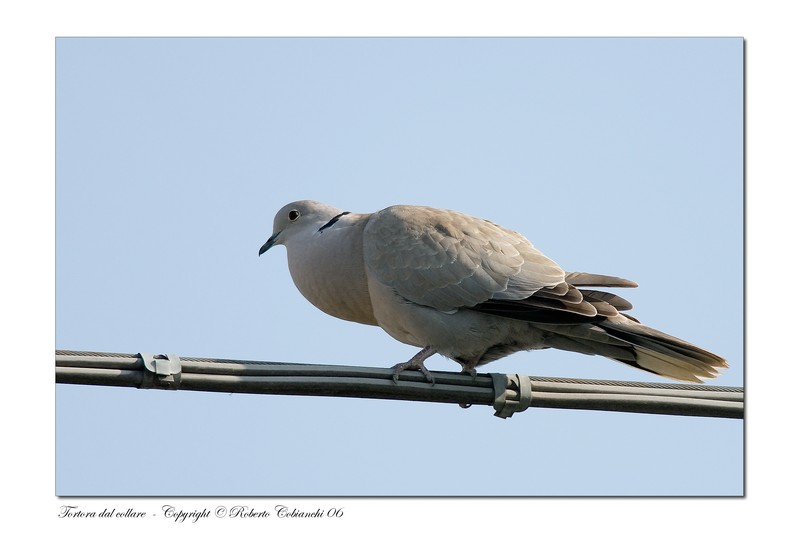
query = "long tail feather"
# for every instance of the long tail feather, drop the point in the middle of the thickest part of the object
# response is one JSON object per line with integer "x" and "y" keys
{"x": 592, "y": 322}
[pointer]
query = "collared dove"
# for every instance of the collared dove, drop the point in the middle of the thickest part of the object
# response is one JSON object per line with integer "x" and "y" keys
{"x": 466, "y": 288}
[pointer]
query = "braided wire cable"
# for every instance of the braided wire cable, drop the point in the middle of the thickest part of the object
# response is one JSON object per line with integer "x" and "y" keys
{"x": 271, "y": 377}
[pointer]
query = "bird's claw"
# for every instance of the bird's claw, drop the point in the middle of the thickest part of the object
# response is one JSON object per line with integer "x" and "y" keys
{"x": 471, "y": 371}
{"x": 416, "y": 363}
{"x": 412, "y": 365}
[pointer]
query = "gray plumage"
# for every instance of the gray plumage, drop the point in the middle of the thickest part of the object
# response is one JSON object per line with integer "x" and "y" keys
{"x": 466, "y": 288}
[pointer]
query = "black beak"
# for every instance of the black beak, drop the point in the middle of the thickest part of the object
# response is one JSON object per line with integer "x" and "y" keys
{"x": 268, "y": 244}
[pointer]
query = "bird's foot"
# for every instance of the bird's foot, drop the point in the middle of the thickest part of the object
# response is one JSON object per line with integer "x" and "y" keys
{"x": 415, "y": 363}
{"x": 470, "y": 371}
{"x": 466, "y": 369}
{"x": 398, "y": 368}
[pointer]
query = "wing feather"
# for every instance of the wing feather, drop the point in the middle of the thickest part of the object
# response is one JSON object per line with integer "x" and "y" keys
{"x": 448, "y": 260}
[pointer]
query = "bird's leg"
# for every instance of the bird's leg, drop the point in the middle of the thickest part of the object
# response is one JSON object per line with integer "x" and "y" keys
{"x": 416, "y": 363}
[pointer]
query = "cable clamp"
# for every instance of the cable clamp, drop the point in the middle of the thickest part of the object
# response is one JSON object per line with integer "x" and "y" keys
{"x": 505, "y": 383}
{"x": 160, "y": 371}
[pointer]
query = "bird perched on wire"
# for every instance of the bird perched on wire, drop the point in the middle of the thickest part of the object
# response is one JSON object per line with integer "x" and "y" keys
{"x": 466, "y": 288}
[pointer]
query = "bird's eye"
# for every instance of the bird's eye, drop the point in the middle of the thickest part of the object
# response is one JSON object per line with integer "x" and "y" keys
{"x": 294, "y": 215}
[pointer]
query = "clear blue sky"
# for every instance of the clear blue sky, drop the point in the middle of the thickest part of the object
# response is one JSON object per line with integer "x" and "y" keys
{"x": 616, "y": 156}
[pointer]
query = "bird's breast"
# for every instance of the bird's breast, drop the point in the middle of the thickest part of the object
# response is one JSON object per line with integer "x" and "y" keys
{"x": 330, "y": 273}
